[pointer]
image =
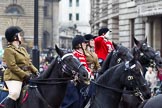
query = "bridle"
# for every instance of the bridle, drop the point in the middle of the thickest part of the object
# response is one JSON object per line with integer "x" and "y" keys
{"x": 120, "y": 58}
{"x": 136, "y": 92}
{"x": 142, "y": 54}
{"x": 67, "y": 68}
{"x": 132, "y": 77}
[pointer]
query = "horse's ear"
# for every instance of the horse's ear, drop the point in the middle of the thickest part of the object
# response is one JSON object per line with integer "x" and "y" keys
{"x": 135, "y": 53}
{"x": 145, "y": 41}
{"x": 59, "y": 51}
{"x": 136, "y": 41}
{"x": 114, "y": 45}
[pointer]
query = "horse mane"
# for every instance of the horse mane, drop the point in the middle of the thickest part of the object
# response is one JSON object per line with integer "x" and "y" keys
{"x": 106, "y": 63}
{"x": 48, "y": 71}
{"x": 109, "y": 73}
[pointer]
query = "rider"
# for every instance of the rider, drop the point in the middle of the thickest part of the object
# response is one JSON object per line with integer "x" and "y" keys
{"x": 19, "y": 66}
{"x": 73, "y": 97}
{"x": 91, "y": 56}
{"x": 103, "y": 46}
{"x": 79, "y": 45}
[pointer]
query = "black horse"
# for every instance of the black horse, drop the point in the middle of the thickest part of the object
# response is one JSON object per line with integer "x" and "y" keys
{"x": 48, "y": 90}
{"x": 147, "y": 56}
{"x": 118, "y": 55}
{"x": 110, "y": 85}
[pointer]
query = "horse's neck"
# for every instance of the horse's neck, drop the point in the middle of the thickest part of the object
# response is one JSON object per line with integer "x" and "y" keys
{"x": 55, "y": 92}
{"x": 109, "y": 96}
{"x": 106, "y": 99}
{"x": 107, "y": 62}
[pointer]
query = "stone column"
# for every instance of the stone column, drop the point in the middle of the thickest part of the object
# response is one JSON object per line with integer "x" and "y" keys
{"x": 96, "y": 29}
{"x": 148, "y": 32}
{"x": 55, "y": 23}
{"x": 148, "y": 29}
{"x": 157, "y": 33}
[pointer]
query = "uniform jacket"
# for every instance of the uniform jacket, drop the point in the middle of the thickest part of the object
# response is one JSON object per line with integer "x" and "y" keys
{"x": 102, "y": 47}
{"x": 82, "y": 59}
{"x": 16, "y": 59}
{"x": 92, "y": 60}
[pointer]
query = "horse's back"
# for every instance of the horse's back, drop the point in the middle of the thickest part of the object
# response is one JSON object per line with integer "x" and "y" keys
{"x": 154, "y": 102}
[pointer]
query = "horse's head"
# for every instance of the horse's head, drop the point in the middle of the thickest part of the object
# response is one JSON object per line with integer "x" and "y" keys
{"x": 118, "y": 55}
{"x": 121, "y": 53}
{"x": 71, "y": 66}
{"x": 147, "y": 54}
{"x": 134, "y": 79}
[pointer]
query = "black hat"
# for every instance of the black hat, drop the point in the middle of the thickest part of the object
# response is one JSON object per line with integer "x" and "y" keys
{"x": 11, "y": 32}
{"x": 78, "y": 39}
{"x": 89, "y": 37}
{"x": 103, "y": 30}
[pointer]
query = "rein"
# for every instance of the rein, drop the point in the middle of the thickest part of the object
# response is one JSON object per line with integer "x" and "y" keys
{"x": 136, "y": 93}
{"x": 113, "y": 89}
{"x": 56, "y": 81}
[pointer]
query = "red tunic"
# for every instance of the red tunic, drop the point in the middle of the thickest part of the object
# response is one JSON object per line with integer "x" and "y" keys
{"x": 102, "y": 47}
{"x": 82, "y": 59}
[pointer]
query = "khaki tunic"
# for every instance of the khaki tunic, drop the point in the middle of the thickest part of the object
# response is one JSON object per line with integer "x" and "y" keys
{"x": 92, "y": 60}
{"x": 15, "y": 59}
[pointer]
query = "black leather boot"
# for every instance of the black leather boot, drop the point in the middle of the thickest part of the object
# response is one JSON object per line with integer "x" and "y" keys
{"x": 10, "y": 103}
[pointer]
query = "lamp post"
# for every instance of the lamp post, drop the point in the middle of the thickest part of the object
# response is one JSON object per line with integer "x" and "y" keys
{"x": 35, "y": 50}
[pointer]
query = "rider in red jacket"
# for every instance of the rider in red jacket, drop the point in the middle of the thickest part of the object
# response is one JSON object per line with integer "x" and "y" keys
{"x": 103, "y": 46}
{"x": 79, "y": 44}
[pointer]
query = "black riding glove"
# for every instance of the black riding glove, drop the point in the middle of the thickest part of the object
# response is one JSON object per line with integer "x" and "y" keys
{"x": 35, "y": 75}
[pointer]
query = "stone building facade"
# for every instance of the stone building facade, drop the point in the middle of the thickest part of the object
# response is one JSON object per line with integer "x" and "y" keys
{"x": 128, "y": 19}
{"x": 21, "y": 13}
{"x": 74, "y": 20}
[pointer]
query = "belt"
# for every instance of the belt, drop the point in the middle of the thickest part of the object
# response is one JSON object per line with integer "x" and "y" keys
{"x": 25, "y": 68}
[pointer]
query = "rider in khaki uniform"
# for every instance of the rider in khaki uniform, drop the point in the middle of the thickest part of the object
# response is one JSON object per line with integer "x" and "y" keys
{"x": 91, "y": 56}
{"x": 19, "y": 66}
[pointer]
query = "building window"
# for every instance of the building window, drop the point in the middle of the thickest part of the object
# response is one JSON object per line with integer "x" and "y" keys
{"x": 70, "y": 17}
{"x": 70, "y": 3}
{"x": 45, "y": 11}
{"x": 77, "y": 16}
{"x": 77, "y": 3}
{"x": 14, "y": 10}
